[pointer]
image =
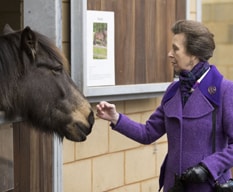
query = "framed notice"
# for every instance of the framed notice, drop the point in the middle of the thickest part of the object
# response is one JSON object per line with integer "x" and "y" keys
{"x": 138, "y": 68}
{"x": 100, "y": 48}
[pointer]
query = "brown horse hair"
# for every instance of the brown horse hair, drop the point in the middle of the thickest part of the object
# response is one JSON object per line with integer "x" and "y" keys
{"x": 12, "y": 66}
{"x": 36, "y": 86}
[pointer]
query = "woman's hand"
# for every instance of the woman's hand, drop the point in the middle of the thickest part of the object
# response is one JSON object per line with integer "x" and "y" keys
{"x": 196, "y": 174}
{"x": 107, "y": 111}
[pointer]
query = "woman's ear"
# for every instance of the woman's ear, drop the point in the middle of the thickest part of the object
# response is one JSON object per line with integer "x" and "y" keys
{"x": 195, "y": 59}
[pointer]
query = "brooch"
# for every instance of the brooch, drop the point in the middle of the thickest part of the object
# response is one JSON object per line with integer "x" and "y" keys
{"x": 212, "y": 90}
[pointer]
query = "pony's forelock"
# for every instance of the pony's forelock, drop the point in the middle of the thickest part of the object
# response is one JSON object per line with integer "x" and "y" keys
{"x": 53, "y": 51}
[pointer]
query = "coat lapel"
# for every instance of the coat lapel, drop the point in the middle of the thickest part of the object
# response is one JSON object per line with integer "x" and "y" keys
{"x": 197, "y": 105}
{"x": 173, "y": 107}
{"x": 201, "y": 100}
{"x": 211, "y": 89}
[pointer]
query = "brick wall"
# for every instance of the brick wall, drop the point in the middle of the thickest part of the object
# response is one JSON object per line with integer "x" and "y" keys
{"x": 108, "y": 161}
{"x": 217, "y": 15}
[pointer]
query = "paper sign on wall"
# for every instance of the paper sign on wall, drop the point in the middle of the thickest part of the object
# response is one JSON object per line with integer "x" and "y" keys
{"x": 100, "y": 48}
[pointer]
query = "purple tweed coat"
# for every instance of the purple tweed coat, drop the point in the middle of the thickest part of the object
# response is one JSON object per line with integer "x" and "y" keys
{"x": 189, "y": 131}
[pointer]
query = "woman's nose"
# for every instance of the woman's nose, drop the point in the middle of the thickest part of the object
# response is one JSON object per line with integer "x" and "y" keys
{"x": 170, "y": 54}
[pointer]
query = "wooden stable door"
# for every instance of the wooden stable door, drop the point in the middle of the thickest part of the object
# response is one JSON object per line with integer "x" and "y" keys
{"x": 33, "y": 159}
{"x": 26, "y": 155}
{"x": 6, "y": 158}
{"x": 26, "y": 159}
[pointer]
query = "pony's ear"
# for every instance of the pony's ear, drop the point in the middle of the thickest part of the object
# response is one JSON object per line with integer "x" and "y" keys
{"x": 29, "y": 42}
{"x": 7, "y": 29}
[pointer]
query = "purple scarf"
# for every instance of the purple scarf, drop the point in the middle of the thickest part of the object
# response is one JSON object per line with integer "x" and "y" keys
{"x": 189, "y": 78}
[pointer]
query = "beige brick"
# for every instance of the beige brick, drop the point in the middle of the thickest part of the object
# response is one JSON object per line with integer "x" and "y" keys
{"x": 156, "y": 184}
{"x": 140, "y": 164}
{"x": 162, "y": 139}
{"x": 128, "y": 188}
{"x": 212, "y": 60}
{"x": 135, "y": 117}
{"x": 96, "y": 143}
{"x": 108, "y": 172}
{"x": 77, "y": 177}
{"x": 157, "y": 102}
{"x": 133, "y": 106}
{"x": 223, "y": 54}
{"x": 229, "y": 74}
{"x": 118, "y": 142}
{"x": 150, "y": 185}
{"x": 145, "y": 116}
{"x": 223, "y": 69}
{"x": 230, "y": 33}
{"x": 220, "y": 31}
{"x": 120, "y": 106}
{"x": 160, "y": 153}
{"x": 222, "y": 11}
{"x": 207, "y": 13}
{"x": 68, "y": 151}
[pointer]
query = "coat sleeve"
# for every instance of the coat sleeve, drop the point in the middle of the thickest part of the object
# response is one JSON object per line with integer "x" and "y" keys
{"x": 221, "y": 161}
{"x": 142, "y": 133}
{"x": 154, "y": 127}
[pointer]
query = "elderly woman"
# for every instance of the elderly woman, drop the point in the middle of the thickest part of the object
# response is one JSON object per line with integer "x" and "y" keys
{"x": 196, "y": 113}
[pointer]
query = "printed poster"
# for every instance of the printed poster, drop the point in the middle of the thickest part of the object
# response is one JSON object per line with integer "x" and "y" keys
{"x": 100, "y": 48}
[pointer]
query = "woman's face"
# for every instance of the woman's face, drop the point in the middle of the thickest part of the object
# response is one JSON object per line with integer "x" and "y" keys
{"x": 178, "y": 55}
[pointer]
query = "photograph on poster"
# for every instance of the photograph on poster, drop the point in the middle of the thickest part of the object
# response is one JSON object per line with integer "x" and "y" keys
{"x": 100, "y": 66}
{"x": 100, "y": 48}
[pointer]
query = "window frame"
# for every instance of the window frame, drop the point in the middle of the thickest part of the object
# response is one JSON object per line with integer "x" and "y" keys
{"x": 79, "y": 70}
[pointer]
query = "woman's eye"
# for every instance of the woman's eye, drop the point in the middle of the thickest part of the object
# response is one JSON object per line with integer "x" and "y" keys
{"x": 175, "y": 48}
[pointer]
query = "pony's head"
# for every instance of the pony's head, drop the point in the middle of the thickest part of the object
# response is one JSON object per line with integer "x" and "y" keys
{"x": 35, "y": 84}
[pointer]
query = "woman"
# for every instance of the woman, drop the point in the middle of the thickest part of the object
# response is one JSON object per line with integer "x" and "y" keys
{"x": 196, "y": 113}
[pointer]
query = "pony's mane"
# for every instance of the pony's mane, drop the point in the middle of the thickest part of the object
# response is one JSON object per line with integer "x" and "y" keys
{"x": 10, "y": 69}
{"x": 53, "y": 51}
{"x": 10, "y": 56}
{"x": 13, "y": 66}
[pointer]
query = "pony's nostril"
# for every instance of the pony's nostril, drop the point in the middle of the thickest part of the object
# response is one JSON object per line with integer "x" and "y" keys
{"x": 91, "y": 118}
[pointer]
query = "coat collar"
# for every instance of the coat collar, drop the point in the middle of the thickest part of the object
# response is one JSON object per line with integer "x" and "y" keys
{"x": 210, "y": 87}
{"x": 197, "y": 106}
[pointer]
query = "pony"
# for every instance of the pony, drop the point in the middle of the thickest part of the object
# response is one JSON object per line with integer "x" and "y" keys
{"x": 100, "y": 38}
{"x": 35, "y": 85}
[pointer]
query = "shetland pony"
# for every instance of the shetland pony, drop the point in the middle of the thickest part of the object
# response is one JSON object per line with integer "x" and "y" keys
{"x": 35, "y": 84}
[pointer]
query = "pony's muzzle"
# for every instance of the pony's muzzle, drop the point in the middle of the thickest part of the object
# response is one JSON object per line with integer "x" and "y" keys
{"x": 84, "y": 129}
{"x": 78, "y": 131}
{"x": 91, "y": 118}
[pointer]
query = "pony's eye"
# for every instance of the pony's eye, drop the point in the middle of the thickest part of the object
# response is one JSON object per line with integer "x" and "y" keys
{"x": 57, "y": 70}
